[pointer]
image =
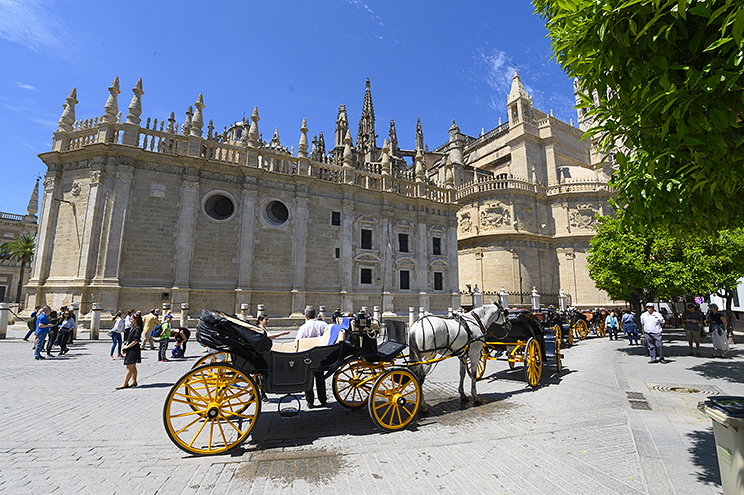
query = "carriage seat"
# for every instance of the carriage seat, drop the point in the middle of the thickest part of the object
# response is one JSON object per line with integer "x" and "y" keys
{"x": 285, "y": 347}
{"x": 332, "y": 334}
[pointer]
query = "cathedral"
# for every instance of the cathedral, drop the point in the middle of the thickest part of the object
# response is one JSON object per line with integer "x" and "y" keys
{"x": 140, "y": 212}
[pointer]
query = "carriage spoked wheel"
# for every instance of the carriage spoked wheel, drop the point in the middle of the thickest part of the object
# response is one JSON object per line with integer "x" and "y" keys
{"x": 558, "y": 357}
{"x": 353, "y": 382}
{"x": 395, "y": 399}
{"x": 512, "y": 359}
{"x": 213, "y": 357}
{"x": 532, "y": 362}
{"x": 570, "y": 335}
{"x": 601, "y": 330}
{"x": 485, "y": 352}
{"x": 582, "y": 329}
{"x": 211, "y": 409}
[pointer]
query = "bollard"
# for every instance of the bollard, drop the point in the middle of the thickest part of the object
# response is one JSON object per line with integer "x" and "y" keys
{"x": 449, "y": 312}
{"x": 75, "y": 307}
{"x": 376, "y": 314}
{"x": 321, "y": 312}
{"x": 364, "y": 309}
{"x": 185, "y": 315}
{"x": 504, "y": 298}
{"x": 95, "y": 321}
{"x": 166, "y": 309}
{"x": 244, "y": 312}
{"x": 535, "y": 299}
{"x": 421, "y": 311}
{"x": 260, "y": 310}
{"x": 4, "y": 315}
{"x": 411, "y": 309}
{"x": 477, "y": 298}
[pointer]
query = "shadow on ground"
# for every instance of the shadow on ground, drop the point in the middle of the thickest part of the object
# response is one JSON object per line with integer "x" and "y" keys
{"x": 703, "y": 450}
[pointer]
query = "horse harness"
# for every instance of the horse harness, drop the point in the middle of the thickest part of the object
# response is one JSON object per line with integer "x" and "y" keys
{"x": 462, "y": 323}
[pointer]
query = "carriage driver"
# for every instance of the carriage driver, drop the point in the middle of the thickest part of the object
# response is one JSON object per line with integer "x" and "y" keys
{"x": 313, "y": 328}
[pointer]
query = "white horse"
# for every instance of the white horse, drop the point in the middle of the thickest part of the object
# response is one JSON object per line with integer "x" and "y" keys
{"x": 431, "y": 337}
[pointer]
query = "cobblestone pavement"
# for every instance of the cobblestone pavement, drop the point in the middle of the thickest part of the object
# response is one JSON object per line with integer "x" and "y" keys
{"x": 609, "y": 423}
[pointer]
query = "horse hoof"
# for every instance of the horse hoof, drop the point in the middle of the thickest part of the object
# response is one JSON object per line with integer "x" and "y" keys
{"x": 424, "y": 412}
{"x": 464, "y": 399}
{"x": 477, "y": 402}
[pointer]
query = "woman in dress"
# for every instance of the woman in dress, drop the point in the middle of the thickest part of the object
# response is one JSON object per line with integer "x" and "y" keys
{"x": 263, "y": 322}
{"x": 718, "y": 331}
{"x": 133, "y": 353}
{"x": 116, "y": 333}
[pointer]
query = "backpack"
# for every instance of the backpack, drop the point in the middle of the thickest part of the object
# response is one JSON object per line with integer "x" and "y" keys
{"x": 31, "y": 323}
{"x": 157, "y": 330}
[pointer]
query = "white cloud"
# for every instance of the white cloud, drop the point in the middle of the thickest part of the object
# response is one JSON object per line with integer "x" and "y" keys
{"x": 29, "y": 23}
{"x": 499, "y": 70}
{"x": 26, "y": 86}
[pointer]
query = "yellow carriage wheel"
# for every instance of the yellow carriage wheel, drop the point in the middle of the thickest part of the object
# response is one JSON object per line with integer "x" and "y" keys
{"x": 532, "y": 362}
{"x": 570, "y": 336}
{"x": 213, "y": 357}
{"x": 582, "y": 329}
{"x": 395, "y": 399}
{"x": 353, "y": 382}
{"x": 558, "y": 357}
{"x": 211, "y": 409}
{"x": 485, "y": 352}
{"x": 601, "y": 330}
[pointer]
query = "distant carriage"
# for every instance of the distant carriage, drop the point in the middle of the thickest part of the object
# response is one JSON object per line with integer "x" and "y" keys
{"x": 525, "y": 341}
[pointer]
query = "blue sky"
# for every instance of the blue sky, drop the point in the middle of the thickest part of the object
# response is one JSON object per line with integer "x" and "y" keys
{"x": 435, "y": 60}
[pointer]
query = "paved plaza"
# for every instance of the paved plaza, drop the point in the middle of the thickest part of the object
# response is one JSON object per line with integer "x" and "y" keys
{"x": 609, "y": 423}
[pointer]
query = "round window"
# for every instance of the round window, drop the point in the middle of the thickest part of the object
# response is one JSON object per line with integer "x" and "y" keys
{"x": 277, "y": 212}
{"x": 219, "y": 207}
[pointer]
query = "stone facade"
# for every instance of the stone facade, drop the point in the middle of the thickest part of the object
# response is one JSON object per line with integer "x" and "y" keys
{"x": 136, "y": 214}
{"x": 529, "y": 192}
{"x": 12, "y": 226}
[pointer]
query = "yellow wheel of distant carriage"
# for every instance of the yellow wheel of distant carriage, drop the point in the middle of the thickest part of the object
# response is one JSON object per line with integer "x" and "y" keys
{"x": 570, "y": 335}
{"x": 582, "y": 329}
{"x": 213, "y": 357}
{"x": 353, "y": 382}
{"x": 211, "y": 409}
{"x": 395, "y": 399}
{"x": 558, "y": 356}
{"x": 601, "y": 330}
{"x": 533, "y": 362}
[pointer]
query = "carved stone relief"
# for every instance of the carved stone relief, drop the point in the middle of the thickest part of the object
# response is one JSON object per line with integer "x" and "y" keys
{"x": 583, "y": 217}
{"x": 494, "y": 215}
{"x": 466, "y": 224}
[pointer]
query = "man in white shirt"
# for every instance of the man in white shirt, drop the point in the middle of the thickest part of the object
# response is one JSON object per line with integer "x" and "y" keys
{"x": 313, "y": 328}
{"x": 652, "y": 322}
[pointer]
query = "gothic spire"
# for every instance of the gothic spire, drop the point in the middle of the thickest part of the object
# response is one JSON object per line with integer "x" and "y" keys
{"x": 419, "y": 135}
{"x": 366, "y": 142}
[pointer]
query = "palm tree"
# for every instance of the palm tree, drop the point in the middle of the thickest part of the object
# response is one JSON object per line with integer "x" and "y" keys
{"x": 20, "y": 249}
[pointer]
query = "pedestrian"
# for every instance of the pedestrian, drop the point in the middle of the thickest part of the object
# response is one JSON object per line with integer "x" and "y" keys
{"x": 31, "y": 323}
{"x": 181, "y": 336}
{"x": 693, "y": 319}
{"x": 128, "y": 324}
{"x": 70, "y": 335}
{"x": 133, "y": 352}
{"x": 313, "y": 328}
{"x": 165, "y": 332}
{"x": 611, "y": 325}
{"x": 150, "y": 321}
{"x": 53, "y": 331}
{"x": 116, "y": 333}
{"x": 630, "y": 327}
{"x": 67, "y": 325}
{"x": 42, "y": 328}
{"x": 718, "y": 331}
{"x": 652, "y": 323}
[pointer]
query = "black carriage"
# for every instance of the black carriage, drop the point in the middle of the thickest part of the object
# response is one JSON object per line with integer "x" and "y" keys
{"x": 524, "y": 341}
{"x": 213, "y": 408}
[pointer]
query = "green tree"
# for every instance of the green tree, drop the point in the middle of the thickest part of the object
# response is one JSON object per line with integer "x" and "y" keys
{"x": 636, "y": 267}
{"x": 664, "y": 81}
{"x": 19, "y": 249}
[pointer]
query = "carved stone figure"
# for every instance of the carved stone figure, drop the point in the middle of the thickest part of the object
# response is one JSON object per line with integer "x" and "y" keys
{"x": 466, "y": 224}
{"x": 494, "y": 215}
{"x": 583, "y": 217}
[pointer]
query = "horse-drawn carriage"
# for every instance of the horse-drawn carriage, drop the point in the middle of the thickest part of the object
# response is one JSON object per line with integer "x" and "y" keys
{"x": 214, "y": 406}
{"x": 526, "y": 340}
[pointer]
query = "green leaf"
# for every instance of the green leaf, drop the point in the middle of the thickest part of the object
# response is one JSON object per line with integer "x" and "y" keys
{"x": 719, "y": 119}
{"x": 737, "y": 29}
